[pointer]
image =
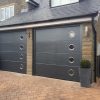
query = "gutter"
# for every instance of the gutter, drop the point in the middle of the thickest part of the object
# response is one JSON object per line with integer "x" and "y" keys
{"x": 95, "y": 47}
{"x": 45, "y": 24}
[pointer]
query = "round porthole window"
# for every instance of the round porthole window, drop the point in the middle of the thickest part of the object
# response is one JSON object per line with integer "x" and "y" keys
{"x": 21, "y": 66}
{"x": 21, "y": 56}
{"x": 72, "y": 34}
{"x": 21, "y": 47}
{"x": 71, "y": 60}
{"x": 21, "y": 37}
{"x": 71, "y": 47}
{"x": 71, "y": 72}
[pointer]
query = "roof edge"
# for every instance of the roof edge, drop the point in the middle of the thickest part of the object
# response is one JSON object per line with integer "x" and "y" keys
{"x": 44, "y": 24}
{"x": 51, "y": 20}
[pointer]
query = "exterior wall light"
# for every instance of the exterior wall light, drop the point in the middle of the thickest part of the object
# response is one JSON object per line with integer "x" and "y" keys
{"x": 86, "y": 31}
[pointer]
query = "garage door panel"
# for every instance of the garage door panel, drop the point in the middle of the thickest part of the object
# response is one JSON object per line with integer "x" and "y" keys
{"x": 8, "y": 47}
{"x": 10, "y": 41}
{"x": 52, "y": 36}
{"x": 18, "y": 36}
{"x": 58, "y": 52}
{"x": 13, "y": 51}
{"x": 59, "y": 72}
{"x": 46, "y": 58}
{"x": 13, "y": 56}
{"x": 64, "y": 59}
{"x": 76, "y": 43}
{"x": 13, "y": 66}
{"x": 61, "y": 59}
{"x": 64, "y": 47}
{"x": 12, "y": 47}
{"x": 46, "y": 47}
{"x": 58, "y": 59}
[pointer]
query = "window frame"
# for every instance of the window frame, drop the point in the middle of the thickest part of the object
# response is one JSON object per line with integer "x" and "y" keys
{"x": 2, "y": 16}
{"x": 50, "y": 2}
{"x": 12, "y": 6}
{"x": 5, "y": 12}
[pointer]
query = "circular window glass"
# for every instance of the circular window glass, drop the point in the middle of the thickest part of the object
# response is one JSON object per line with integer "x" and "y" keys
{"x": 71, "y": 60}
{"x": 21, "y": 47}
{"x": 72, "y": 34}
{"x": 71, "y": 47}
{"x": 21, "y": 56}
{"x": 71, "y": 72}
{"x": 21, "y": 37}
{"x": 21, "y": 66}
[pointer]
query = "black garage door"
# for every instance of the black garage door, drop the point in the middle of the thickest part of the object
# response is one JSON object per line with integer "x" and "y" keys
{"x": 13, "y": 51}
{"x": 58, "y": 52}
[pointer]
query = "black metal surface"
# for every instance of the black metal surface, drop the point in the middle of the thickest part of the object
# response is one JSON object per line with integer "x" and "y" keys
{"x": 12, "y": 55}
{"x": 95, "y": 47}
{"x": 53, "y": 53}
{"x": 34, "y": 53}
{"x": 98, "y": 66}
{"x": 15, "y": 56}
{"x": 12, "y": 66}
{"x": 55, "y": 71}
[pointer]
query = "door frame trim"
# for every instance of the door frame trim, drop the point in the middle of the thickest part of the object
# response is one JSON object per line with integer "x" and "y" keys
{"x": 34, "y": 52}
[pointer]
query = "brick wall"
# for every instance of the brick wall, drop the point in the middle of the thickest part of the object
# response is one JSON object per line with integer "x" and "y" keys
{"x": 29, "y": 51}
{"x": 87, "y": 43}
{"x": 98, "y": 33}
{"x": 18, "y": 4}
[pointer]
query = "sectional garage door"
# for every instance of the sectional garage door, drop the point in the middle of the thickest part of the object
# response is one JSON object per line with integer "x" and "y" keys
{"x": 58, "y": 52}
{"x": 13, "y": 51}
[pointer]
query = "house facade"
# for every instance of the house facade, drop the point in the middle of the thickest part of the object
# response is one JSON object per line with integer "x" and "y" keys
{"x": 10, "y": 8}
{"x": 50, "y": 37}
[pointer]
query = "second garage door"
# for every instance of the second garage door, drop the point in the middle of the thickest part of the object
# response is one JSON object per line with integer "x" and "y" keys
{"x": 58, "y": 52}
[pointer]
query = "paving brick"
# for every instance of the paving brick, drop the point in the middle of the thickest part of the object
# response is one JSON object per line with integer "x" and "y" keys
{"x": 14, "y": 86}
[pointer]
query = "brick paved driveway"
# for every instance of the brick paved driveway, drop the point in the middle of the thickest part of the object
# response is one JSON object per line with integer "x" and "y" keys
{"x": 15, "y": 86}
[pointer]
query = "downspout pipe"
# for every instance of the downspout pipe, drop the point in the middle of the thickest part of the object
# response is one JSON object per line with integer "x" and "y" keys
{"x": 95, "y": 47}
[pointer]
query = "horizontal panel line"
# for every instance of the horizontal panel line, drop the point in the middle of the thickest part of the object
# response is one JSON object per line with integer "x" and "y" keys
{"x": 14, "y": 51}
{"x": 11, "y": 61}
{"x": 56, "y": 65}
{"x": 13, "y": 42}
{"x": 57, "y": 53}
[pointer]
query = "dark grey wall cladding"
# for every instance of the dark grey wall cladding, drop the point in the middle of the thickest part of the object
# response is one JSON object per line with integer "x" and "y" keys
{"x": 45, "y": 13}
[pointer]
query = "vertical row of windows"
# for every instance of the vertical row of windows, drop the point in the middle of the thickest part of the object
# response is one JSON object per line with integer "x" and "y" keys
{"x": 62, "y": 2}
{"x": 6, "y": 12}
